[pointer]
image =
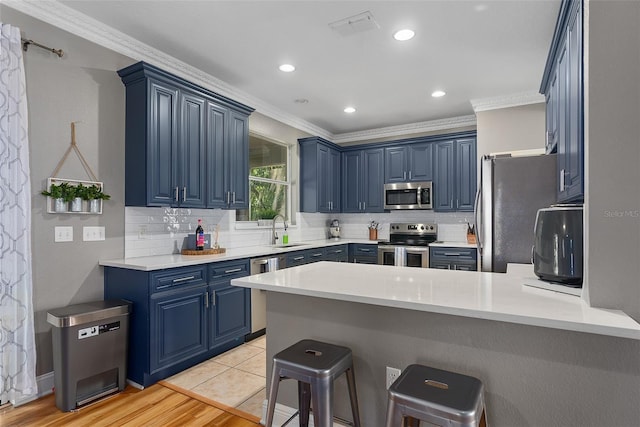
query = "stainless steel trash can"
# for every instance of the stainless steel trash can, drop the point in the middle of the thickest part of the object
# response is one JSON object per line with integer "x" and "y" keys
{"x": 89, "y": 351}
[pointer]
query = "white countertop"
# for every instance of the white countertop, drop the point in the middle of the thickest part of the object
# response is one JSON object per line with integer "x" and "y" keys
{"x": 492, "y": 296}
{"x": 159, "y": 262}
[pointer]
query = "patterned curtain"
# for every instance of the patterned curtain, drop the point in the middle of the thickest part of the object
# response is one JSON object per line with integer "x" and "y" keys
{"x": 17, "y": 340}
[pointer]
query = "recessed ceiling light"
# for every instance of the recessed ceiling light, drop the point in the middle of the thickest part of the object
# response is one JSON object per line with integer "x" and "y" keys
{"x": 404, "y": 35}
{"x": 438, "y": 93}
{"x": 349, "y": 110}
{"x": 287, "y": 68}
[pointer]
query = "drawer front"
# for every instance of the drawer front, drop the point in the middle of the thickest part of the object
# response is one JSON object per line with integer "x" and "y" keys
{"x": 173, "y": 278}
{"x": 297, "y": 258}
{"x": 363, "y": 253}
{"x": 453, "y": 254}
{"x": 314, "y": 255}
{"x": 219, "y": 271}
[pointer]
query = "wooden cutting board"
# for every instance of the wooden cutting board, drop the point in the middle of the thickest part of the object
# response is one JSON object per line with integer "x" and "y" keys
{"x": 204, "y": 251}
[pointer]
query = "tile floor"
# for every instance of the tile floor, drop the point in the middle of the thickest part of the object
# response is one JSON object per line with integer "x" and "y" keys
{"x": 236, "y": 378}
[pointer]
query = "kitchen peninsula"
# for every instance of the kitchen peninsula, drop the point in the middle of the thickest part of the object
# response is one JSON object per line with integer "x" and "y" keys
{"x": 545, "y": 358}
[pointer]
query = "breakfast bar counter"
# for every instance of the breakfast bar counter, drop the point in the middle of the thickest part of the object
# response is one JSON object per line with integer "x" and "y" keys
{"x": 545, "y": 358}
{"x": 491, "y": 296}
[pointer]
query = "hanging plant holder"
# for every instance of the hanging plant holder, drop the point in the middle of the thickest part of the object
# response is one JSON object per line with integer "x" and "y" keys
{"x": 73, "y": 195}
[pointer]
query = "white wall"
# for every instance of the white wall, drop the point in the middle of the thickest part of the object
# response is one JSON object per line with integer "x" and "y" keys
{"x": 510, "y": 129}
{"x": 612, "y": 154}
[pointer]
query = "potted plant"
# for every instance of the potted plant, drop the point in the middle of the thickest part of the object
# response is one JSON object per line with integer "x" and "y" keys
{"x": 79, "y": 192}
{"x": 62, "y": 194}
{"x": 95, "y": 195}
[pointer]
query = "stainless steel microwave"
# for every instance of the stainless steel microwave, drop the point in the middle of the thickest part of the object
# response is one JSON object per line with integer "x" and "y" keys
{"x": 408, "y": 195}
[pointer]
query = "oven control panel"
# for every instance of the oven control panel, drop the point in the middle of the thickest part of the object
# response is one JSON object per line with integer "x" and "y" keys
{"x": 404, "y": 228}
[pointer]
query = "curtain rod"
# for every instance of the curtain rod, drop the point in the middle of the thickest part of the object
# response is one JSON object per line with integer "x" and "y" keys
{"x": 26, "y": 43}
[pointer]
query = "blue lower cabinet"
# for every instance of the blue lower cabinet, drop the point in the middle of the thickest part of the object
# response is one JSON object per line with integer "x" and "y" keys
{"x": 231, "y": 315}
{"x": 338, "y": 253}
{"x": 181, "y": 316}
{"x": 363, "y": 253}
{"x": 178, "y": 327}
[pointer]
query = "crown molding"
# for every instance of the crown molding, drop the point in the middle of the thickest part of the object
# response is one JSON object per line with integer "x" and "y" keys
{"x": 81, "y": 25}
{"x": 505, "y": 101}
{"x": 404, "y": 130}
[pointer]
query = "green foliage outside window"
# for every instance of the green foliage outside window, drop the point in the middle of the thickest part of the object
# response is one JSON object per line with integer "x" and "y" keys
{"x": 267, "y": 199}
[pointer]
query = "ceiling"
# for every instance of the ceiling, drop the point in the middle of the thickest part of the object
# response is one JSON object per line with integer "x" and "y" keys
{"x": 473, "y": 50}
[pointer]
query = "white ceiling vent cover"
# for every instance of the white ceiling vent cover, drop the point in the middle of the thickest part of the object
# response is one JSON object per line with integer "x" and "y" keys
{"x": 355, "y": 24}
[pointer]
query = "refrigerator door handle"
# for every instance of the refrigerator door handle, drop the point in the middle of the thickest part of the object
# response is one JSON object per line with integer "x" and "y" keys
{"x": 476, "y": 214}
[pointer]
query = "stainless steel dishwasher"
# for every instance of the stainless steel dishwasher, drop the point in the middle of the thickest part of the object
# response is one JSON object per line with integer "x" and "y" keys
{"x": 258, "y": 297}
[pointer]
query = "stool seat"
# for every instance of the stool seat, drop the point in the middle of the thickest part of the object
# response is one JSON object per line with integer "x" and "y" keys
{"x": 315, "y": 365}
{"x": 437, "y": 396}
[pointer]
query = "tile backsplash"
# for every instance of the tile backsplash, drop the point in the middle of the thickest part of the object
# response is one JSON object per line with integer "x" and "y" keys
{"x": 161, "y": 231}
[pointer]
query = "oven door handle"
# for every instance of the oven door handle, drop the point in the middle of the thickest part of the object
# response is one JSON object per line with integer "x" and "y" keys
{"x": 419, "y": 198}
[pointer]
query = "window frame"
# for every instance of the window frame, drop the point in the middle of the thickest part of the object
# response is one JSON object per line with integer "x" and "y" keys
{"x": 287, "y": 183}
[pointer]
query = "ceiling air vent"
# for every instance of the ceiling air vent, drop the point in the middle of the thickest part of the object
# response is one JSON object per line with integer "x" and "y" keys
{"x": 355, "y": 24}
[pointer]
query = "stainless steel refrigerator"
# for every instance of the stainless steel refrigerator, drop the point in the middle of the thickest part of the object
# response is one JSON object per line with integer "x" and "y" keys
{"x": 510, "y": 192}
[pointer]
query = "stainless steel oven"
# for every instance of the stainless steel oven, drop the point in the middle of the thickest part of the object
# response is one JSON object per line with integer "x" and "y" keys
{"x": 408, "y": 245}
{"x": 404, "y": 256}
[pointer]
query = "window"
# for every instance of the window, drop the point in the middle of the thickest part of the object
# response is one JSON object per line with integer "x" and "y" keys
{"x": 269, "y": 187}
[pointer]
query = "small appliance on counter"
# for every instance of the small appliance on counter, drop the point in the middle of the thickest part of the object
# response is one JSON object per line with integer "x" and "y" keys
{"x": 557, "y": 250}
{"x": 334, "y": 229}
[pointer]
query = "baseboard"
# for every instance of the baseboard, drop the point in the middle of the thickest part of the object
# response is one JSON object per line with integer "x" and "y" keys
{"x": 283, "y": 413}
{"x": 45, "y": 387}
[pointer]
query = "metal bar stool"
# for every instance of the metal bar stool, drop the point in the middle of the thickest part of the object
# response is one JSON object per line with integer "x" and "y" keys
{"x": 439, "y": 397}
{"x": 315, "y": 365}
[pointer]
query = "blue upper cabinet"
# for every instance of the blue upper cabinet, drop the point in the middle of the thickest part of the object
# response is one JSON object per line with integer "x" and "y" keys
{"x": 176, "y": 133}
{"x": 191, "y": 152}
{"x": 466, "y": 174}
{"x": 363, "y": 180}
{"x": 405, "y": 163}
{"x": 444, "y": 183}
{"x": 455, "y": 180}
{"x": 319, "y": 176}
{"x": 562, "y": 85}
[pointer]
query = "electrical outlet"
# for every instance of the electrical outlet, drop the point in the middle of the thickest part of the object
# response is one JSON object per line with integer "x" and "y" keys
{"x": 92, "y": 234}
{"x": 392, "y": 375}
{"x": 63, "y": 234}
{"x": 142, "y": 232}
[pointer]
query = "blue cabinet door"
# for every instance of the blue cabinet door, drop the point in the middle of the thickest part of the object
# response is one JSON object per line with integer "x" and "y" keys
{"x": 465, "y": 174}
{"x": 178, "y": 327}
{"x": 320, "y": 180}
{"x": 420, "y": 159}
{"x": 573, "y": 166}
{"x": 192, "y": 152}
{"x": 231, "y": 312}
{"x": 363, "y": 180}
{"x": 237, "y": 165}
{"x": 372, "y": 180}
{"x": 444, "y": 182}
{"x": 351, "y": 175}
{"x": 334, "y": 179}
{"x": 216, "y": 135}
{"x": 395, "y": 164}
{"x": 162, "y": 145}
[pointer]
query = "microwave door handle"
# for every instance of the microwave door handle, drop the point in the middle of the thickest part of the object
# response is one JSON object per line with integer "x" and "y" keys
{"x": 419, "y": 197}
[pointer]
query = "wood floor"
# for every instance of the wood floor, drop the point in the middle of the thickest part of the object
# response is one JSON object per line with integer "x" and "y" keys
{"x": 154, "y": 406}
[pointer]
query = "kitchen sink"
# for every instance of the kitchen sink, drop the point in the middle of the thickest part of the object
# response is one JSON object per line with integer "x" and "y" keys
{"x": 289, "y": 245}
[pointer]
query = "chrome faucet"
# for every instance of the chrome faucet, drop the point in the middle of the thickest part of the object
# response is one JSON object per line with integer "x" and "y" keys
{"x": 274, "y": 235}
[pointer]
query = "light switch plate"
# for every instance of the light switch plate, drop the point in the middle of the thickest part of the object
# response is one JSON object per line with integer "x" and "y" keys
{"x": 63, "y": 234}
{"x": 92, "y": 234}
